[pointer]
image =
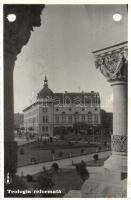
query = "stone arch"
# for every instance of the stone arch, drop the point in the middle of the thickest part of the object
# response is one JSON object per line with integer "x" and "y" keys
{"x": 16, "y": 35}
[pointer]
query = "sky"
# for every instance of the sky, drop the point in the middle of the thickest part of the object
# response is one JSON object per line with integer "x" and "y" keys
{"x": 62, "y": 49}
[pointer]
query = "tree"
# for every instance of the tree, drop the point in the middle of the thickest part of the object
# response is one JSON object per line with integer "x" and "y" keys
{"x": 82, "y": 171}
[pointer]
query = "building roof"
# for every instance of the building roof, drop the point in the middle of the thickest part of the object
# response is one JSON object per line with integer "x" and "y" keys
{"x": 45, "y": 91}
{"x": 65, "y": 98}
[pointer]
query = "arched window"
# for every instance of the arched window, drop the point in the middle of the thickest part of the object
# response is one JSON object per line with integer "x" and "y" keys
{"x": 96, "y": 118}
{"x": 45, "y": 119}
{"x": 57, "y": 119}
{"x": 63, "y": 117}
{"x": 70, "y": 118}
{"x": 76, "y": 116}
{"x": 83, "y": 118}
{"x": 89, "y": 117}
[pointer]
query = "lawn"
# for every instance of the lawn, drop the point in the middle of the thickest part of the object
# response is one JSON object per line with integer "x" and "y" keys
{"x": 40, "y": 152}
{"x": 44, "y": 155}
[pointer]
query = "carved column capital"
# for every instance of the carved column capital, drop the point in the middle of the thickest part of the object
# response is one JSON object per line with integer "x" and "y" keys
{"x": 119, "y": 143}
{"x": 112, "y": 62}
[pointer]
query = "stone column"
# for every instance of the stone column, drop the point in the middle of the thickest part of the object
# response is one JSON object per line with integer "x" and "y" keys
{"x": 16, "y": 35}
{"x": 112, "y": 63}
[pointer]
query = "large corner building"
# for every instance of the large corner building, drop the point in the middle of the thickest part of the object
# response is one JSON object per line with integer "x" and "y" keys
{"x": 53, "y": 110}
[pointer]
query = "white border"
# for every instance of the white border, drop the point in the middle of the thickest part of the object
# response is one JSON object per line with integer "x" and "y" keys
{"x": 1, "y": 80}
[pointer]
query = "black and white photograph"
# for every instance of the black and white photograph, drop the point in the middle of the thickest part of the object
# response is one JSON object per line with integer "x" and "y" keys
{"x": 65, "y": 69}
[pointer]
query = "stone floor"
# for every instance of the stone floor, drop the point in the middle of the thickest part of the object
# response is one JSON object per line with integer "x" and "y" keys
{"x": 102, "y": 184}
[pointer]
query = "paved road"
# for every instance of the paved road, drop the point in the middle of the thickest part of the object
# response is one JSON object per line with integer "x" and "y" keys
{"x": 64, "y": 163}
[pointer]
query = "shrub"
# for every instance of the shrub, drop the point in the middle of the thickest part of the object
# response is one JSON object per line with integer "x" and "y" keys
{"x": 44, "y": 168}
{"x": 29, "y": 178}
{"x": 55, "y": 167}
{"x": 82, "y": 171}
{"x": 33, "y": 160}
{"x": 22, "y": 151}
{"x": 96, "y": 157}
{"x": 82, "y": 150}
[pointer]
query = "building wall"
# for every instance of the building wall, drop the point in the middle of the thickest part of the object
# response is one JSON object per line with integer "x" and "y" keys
{"x": 18, "y": 120}
{"x": 31, "y": 118}
{"x": 46, "y": 120}
{"x": 43, "y": 118}
{"x": 68, "y": 115}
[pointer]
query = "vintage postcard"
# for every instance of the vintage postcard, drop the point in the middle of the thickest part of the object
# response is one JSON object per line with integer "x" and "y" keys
{"x": 65, "y": 105}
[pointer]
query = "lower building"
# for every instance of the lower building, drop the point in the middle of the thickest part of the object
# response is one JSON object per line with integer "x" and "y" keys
{"x": 53, "y": 110}
{"x": 18, "y": 120}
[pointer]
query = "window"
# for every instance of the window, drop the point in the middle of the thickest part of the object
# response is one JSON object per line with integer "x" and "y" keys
{"x": 70, "y": 118}
{"x": 45, "y": 119}
{"x": 76, "y": 117}
{"x": 95, "y": 118}
{"x": 63, "y": 118}
{"x": 89, "y": 117}
{"x": 83, "y": 118}
{"x": 44, "y": 128}
{"x": 57, "y": 119}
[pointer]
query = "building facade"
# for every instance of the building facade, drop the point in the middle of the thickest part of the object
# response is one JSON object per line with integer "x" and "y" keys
{"x": 53, "y": 110}
{"x": 18, "y": 120}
